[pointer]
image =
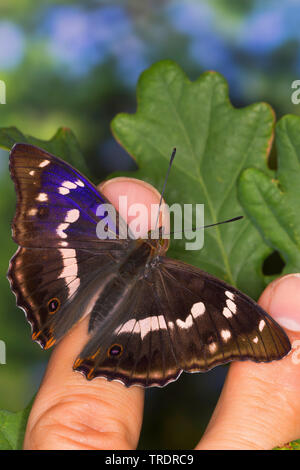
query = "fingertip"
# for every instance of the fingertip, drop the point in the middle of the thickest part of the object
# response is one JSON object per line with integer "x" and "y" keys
{"x": 70, "y": 412}
{"x": 136, "y": 192}
{"x": 282, "y": 300}
{"x": 258, "y": 407}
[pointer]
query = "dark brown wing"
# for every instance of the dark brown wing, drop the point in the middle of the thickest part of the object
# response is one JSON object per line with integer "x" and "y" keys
{"x": 61, "y": 264}
{"x": 217, "y": 321}
{"x": 54, "y": 287}
{"x": 135, "y": 346}
{"x": 56, "y": 205}
{"x": 180, "y": 319}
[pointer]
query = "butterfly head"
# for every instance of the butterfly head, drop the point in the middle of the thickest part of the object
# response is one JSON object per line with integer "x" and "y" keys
{"x": 159, "y": 244}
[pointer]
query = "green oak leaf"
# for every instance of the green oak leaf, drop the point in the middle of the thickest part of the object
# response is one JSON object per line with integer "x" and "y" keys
{"x": 272, "y": 200}
{"x": 63, "y": 144}
{"x": 12, "y": 428}
{"x": 215, "y": 142}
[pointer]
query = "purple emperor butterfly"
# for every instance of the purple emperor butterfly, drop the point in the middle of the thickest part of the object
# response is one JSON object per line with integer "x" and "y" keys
{"x": 151, "y": 317}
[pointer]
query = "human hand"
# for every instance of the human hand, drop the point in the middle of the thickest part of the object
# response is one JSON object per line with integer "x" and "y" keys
{"x": 259, "y": 407}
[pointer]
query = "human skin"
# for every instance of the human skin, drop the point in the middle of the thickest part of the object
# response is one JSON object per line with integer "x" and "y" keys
{"x": 259, "y": 406}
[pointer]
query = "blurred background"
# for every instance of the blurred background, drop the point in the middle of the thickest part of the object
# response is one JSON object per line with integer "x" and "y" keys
{"x": 76, "y": 64}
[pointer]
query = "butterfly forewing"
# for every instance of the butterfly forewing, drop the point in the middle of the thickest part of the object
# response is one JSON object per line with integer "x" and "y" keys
{"x": 228, "y": 323}
{"x": 57, "y": 206}
{"x": 60, "y": 262}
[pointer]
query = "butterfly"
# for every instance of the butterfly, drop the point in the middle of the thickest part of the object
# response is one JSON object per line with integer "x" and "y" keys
{"x": 150, "y": 317}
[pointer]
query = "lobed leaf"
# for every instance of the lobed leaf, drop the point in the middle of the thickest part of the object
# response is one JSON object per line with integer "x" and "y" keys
{"x": 63, "y": 144}
{"x": 215, "y": 142}
{"x": 271, "y": 200}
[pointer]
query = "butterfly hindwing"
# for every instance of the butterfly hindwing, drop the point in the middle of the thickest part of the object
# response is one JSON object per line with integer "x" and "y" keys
{"x": 136, "y": 348}
{"x": 54, "y": 286}
{"x": 182, "y": 319}
{"x": 227, "y": 323}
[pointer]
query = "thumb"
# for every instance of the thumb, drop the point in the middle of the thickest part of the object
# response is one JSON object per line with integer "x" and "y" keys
{"x": 259, "y": 407}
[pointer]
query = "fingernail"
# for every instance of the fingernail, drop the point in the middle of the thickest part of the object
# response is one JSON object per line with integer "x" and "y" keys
{"x": 285, "y": 301}
{"x": 120, "y": 180}
{"x": 136, "y": 191}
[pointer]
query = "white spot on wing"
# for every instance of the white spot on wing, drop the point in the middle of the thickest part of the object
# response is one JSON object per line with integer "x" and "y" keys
{"x": 70, "y": 269}
{"x": 32, "y": 211}
{"x": 212, "y": 347}
{"x": 255, "y": 340}
{"x": 60, "y": 230}
{"x": 42, "y": 197}
{"x": 63, "y": 190}
{"x": 68, "y": 254}
{"x": 69, "y": 185}
{"x": 155, "y": 325}
{"x": 225, "y": 335}
{"x": 32, "y": 172}
{"x": 44, "y": 163}
{"x": 79, "y": 183}
{"x": 137, "y": 328}
{"x": 145, "y": 326}
{"x": 69, "y": 261}
{"x": 162, "y": 322}
{"x": 231, "y": 305}
{"x": 127, "y": 327}
{"x": 198, "y": 309}
{"x": 185, "y": 324}
{"x": 72, "y": 215}
{"x": 227, "y": 313}
{"x": 229, "y": 294}
{"x": 261, "y": 325}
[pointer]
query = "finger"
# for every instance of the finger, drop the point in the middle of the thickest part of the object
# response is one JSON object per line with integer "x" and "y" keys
{"x": 117, "y": 187}
{"x": 259, "y": 407}
{"x": 71, "y": 413}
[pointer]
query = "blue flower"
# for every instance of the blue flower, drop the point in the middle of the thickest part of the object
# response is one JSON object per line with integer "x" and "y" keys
{"x": 12, "y": 45}
{"x": 190, "y": 18}
{"x": 83, "y": 38}
{"x": 264, "y": 30}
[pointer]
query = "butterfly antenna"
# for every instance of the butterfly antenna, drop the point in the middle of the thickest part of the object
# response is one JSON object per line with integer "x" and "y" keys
{"x": 224, "y": 222}
{"x": 212, "y": 225}
{"x": 165, "y": 184}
